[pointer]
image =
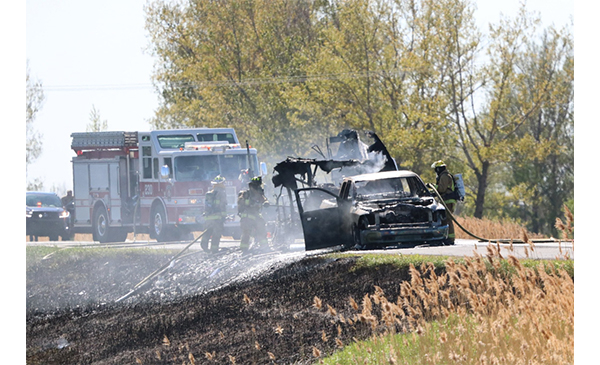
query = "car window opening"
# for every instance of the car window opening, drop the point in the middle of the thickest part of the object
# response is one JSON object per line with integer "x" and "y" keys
{"x": 386, "y": 188}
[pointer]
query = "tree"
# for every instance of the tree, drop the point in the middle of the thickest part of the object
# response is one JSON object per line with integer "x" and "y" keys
{"x": 493, "y": 104}
{"x": 96, "y": 124}
{"x": 34, "y": 100}
{"x": 233, "y": 63}
{"x": 287, "y": 74}
{"x": 376, "y": 67}
{"x": 542, "y": 165}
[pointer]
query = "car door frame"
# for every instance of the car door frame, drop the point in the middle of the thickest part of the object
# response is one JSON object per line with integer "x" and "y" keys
{"x": 322, "y": 228}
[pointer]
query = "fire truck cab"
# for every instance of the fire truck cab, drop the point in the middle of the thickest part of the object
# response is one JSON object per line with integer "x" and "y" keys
{"x": 155, "y": 181}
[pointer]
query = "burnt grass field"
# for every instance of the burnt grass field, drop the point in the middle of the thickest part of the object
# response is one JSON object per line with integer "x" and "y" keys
{"x": 224, "y": 309}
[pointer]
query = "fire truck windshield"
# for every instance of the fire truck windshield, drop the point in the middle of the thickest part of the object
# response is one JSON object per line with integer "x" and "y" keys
{"x": 206, "y": 168}
{"x": 174, "y": 141}
{"x": 212, "y": 137}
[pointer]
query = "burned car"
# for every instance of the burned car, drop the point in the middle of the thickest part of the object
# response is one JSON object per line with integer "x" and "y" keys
{"x": 375, "y": 210}
{"x": 345, "y": 155}
{"x": 46, "y": 216}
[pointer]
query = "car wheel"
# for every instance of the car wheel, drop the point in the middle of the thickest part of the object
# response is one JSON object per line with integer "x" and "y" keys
{"x": 101, "y": 228}
{"x": 158, "y": 224}
{"x": 53, "y": 237}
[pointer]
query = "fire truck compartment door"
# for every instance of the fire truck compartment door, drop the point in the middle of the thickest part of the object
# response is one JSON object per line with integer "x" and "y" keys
{"x": 98, "y": 177}
{"x": 81, "y": 191}
{"x": 320, "y": 216}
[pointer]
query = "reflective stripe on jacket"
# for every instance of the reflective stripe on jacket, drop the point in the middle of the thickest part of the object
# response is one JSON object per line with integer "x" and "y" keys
{"x": 215, "y": 205}
{"x": 250, "y": 205}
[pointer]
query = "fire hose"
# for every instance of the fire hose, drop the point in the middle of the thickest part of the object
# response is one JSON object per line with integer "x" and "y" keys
{"x": 158, "y": 271}
{"x": 437, "y": 194}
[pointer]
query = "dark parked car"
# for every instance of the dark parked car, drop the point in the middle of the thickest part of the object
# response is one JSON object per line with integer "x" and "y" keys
{"x": 372, "y": 211}
{"x": 46, "y": 216}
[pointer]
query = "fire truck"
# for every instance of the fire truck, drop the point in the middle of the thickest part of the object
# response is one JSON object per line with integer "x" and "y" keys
{"x": 155, "y": 181}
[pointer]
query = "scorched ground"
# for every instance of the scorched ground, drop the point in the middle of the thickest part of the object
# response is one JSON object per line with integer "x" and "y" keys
{"x": 258, "y": 309}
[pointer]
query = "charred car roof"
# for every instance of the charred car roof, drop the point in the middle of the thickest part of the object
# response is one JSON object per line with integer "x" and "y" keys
{"x": 382, "y": 175}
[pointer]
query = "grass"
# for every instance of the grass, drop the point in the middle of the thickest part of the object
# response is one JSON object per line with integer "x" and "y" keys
{"x": 87, "y": 237}
{"x": 492, "y": 229}
{"x": 35, "y": 254}
{"x": 472, "y": 310}
{"x": 371, "y": 261}
{"x": 481, "y": 310}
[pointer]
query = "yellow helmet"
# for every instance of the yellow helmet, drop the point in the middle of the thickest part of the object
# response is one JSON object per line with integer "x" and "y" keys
{"x": 255, "y": 181}
{"x": 218, "y": 181}
{"x": 438, "y": 163}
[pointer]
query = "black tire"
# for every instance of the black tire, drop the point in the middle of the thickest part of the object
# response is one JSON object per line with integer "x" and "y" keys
{"x": 158, "y": 224}
{"x": 53, "y": 237}
{"x": 100, "y": 225}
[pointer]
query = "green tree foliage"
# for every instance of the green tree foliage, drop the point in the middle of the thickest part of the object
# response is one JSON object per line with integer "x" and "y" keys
{"x": 287, "y": 74}
{"x": 541, "y": 164}
{"x": 234, "y": 63}
{"x": 96, "y": 124}
{"x": 34, "y": 100}
{"x": 494, "y": 106}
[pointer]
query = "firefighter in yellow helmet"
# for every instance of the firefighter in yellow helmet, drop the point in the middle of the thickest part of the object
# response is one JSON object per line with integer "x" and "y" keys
{"x": 252, "y": 224}
{"x": 214, "y": 215}
{"x": 444, "y": 184}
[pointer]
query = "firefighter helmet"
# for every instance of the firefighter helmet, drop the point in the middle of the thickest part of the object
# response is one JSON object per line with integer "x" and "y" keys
{"x": 255, "y": 181}
{"x": 219, "y": 180}
{"x": 437, "y": 164}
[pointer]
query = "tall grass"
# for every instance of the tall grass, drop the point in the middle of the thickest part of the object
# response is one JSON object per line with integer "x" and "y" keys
{"x": 482, "y": 310}
{"x": 493, "y": 229}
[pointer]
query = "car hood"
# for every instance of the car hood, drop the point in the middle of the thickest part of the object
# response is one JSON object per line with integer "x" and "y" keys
{"x": 44, "y": 209}
{"x": 386, "y": 204}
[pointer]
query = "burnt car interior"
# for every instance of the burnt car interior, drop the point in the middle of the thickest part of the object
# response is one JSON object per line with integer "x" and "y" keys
{"x": 396, "y": 188}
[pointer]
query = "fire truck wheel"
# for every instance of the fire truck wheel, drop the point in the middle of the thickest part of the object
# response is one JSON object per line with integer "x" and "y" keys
{"x": 158, "y": 224}
{"x": 100, "y": 225}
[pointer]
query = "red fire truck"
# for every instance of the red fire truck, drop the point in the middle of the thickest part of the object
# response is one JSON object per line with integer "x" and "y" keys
{"x": 155, "y": 181}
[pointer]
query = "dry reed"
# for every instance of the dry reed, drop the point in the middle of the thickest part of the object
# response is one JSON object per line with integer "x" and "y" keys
{"x": 492, "y": 229}
{"x": 484, "y": 310}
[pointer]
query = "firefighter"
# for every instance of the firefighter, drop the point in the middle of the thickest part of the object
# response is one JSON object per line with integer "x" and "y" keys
{"x": 68, "y": 203}
{"x": 444, "y": 184}
{"x": 214, "y": 215}
{"x": 67, "y": 199}
{"x": 250, "y": 203}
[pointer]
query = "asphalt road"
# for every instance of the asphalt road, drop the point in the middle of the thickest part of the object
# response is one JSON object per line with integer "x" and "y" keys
{"x": 466, "y": 247}
{"x": 463, "y": 247}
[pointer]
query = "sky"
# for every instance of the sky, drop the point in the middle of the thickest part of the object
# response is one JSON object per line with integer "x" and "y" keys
{"x": 92, "y": 54}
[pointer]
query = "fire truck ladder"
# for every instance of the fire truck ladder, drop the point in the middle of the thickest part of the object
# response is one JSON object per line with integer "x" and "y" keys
{"x": 103, "y": 140}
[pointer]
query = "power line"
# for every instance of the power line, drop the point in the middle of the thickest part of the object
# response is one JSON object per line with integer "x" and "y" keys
{"x": 114, "y": 87}
{"x": 228, "y": 83}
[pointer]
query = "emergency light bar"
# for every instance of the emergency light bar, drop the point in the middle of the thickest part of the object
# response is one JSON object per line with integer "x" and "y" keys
{"x": 216, "y": 146}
